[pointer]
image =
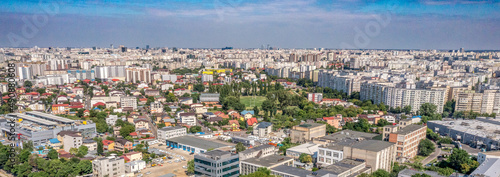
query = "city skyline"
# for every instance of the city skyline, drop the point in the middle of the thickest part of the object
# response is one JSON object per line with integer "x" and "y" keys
{"x": 356, "y": 24}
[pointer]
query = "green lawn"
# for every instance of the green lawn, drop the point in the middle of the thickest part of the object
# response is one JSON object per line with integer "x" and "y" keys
{"x": 250, "y": 101}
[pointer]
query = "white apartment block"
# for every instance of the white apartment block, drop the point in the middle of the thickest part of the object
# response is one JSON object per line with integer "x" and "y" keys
{"x": 171, "y": 132}
{"x": 128, "y": 102}
{"x": 108, "y": 166}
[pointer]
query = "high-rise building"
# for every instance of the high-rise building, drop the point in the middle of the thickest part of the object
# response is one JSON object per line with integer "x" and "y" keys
{"x": 24, "y": 72}
{"x": 135, "y": 75}
{"x": 110, "y": 72}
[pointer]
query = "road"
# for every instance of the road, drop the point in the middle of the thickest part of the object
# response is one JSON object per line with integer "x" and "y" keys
{"x": 433, "y": 156}
{"x": 174, "y": 167}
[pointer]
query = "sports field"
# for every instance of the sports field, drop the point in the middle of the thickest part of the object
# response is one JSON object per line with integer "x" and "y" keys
{"x": 251, "y": 101}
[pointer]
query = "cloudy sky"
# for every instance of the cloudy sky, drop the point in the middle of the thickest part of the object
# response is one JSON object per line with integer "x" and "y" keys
{"x": 392, "y": 24}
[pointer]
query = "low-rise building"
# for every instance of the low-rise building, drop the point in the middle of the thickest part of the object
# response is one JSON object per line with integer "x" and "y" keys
{"x": 407, "y": 139}
{"x": 257, "y": 152}
{"x": 251, "y": 165}
{"x": 170, "y": 132}
{"x": 135, "y": 166}
{"x": 263, "y": 129}
{"x": 108, "y": 166}
{"x": 306, "y": 132}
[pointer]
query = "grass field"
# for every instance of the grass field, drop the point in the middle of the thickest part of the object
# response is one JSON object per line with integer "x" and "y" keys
{"x": 250, "y": 101}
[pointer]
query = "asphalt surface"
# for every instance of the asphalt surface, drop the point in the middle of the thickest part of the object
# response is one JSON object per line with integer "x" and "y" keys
{"x": 433, "y": 155}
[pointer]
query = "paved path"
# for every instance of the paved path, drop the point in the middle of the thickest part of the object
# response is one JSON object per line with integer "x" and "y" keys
{"x": 433, "y": 156}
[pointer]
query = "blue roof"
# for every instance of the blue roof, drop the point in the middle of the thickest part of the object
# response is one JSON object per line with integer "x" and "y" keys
{"x": 97, "y": 108}
{"x": 245, "y": 112}
{"x": 416, "y": 117}
{"x": 54, "y": 141}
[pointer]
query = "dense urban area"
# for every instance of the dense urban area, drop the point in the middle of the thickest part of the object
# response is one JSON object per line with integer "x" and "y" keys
{"x": 165, "y": 112}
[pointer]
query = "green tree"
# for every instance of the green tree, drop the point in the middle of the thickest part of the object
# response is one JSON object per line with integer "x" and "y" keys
{"x": 305, "y": 158}
{"x": 82, "y": 151}
{"x": 100, "y": 148}
{"x": 240, "y": 147}
{"x": 380, "y": 173}
{"x": 425, "y": 147}
{"x": 199, "y": 88}
{"x": 53, "y": 154}
{"x": 195, "y": 129}
{"x": 427, "y": 109}
{"x": 421, "y": 175}
{"x": 126, "y": 130}
{"x": 190, "y": 167}
{"x": 84, "y": 167}
{"x": 260, "y": 172}
{"x": 73, "y": 151}
{"x": 256, "y": 110}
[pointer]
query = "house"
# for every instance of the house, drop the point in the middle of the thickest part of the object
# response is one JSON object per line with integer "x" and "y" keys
{"x": 186, "y": 100}
{"x": 252, "y": 121}
{"x": 60, "y": 108}
{"x": 247, "y": 114}
{"x": 135, "y": 166}
{"x": 121, "y": 144}
{"x": 334, "y": 121}
{"x": 133, "y": 156}
{"x": 188, "y": 118}
{"x": 91, "y": 144}
{"x": 234, "y": 125}
{"x": 108, "y": 145}
{"x": 141, "y": 124}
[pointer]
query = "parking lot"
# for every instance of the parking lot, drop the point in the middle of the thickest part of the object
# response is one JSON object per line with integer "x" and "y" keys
{"x": 169, "y": 165}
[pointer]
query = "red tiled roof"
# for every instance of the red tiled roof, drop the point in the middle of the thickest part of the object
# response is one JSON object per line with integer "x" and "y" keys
{"x": 99, "y": 103}
{"x": 252, "y": 121}
{"x": 58, "y": 105}
{"x": 107, "y": 142}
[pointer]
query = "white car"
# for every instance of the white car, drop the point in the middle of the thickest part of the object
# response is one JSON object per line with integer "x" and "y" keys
{"x": 184, "y": 167}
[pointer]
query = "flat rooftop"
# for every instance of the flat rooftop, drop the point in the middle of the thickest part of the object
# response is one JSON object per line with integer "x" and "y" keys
{"x": 409, "y": 129}
{"x": 258, "y": 148}
{"x": 473, "y": 127}
{"x": 348, "y": 134}
{"x": 373, "y": 145}
{"x": 33, "y": 119}
{"x": 50, "y": 117}
{"x": 342, "y": 166}
{"x": 197, "y": 142}
{"x": 268, "y": 161}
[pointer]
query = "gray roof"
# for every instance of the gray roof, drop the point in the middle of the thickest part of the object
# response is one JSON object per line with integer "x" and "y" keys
{"x": 33, "y": 119}
{"x": 258, "y": 148}
{"x": 410, "y": 172}
{"x": 216, "y": 153}
{"x": 342, "y": 166}
{"x": 348, "y": 134}
{"x": 264, "y": 124}
{"x": 168, "y": 175}
{"x": 297, "y": 171}
{"x": 50, "y": 117}
{"x": 197, "y": 142}
{"x": 409, "y": 129}
{"x": 268, "y": 161}
{"x": 489, "y": 167}
{"x": 373, "y": 145}
{"x": 172, "y": 128}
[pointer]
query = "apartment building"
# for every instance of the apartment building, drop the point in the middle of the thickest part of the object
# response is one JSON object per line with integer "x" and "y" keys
{"x": 216, "y": 163}
{"x": 188, "y": 118}
{"x": 486, "y": 102}
{"x": 263, "y": 129}
{"x": 130, "y": 102}
{"x": 344, "y": 83}
{"x": 406, "y": 138}
{"x": 108, "y": 167}
{"x": 306, "y": 132}
{"x": 315, "y": 97}
{"x": 135, "y": 75}
{"x": 209, "y": 97}
{"x": 393, "y": 96}
{"x": 170, "y": 132}
{"x": 71, "y": 140}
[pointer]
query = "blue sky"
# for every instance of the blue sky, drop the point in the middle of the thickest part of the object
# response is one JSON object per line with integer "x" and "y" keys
{"x": 390, "y": 24}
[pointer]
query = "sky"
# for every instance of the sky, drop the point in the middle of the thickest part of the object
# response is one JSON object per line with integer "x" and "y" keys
{"x": 337, "y": 24}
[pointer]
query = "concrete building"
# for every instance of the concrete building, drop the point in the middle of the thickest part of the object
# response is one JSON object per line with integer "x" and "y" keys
{"x": 216, "y": 163}
{"x": 481, "y": 132}
{"x": 258, "y": 152}
{"x": 315, "y": 97}
{"x": 171, "y": 132}
{"x": 486, "y": 102}
{"x": 207, "y": 78}
{"x": 71, "y": 140}
{"x": 209, "y": 97}
{"x": 251, "y": 165}
{"x": 156, "y": 107}
{"x": 407, "y": 139}
{"x": 412, "y": 172}
{"x": 194, "y": 144}
{"x": 107, "y": 73}
{"x": 130, "y": 102}
{"x": 135, "y": 166}
{"x": 108, "y": 166}
{"x": 188, "y": 118}
{"x": 135, "y": 75}
{"x": 308, "y": 148}
{"x": 306, "y": 132}
{"x": 262, "y": 129}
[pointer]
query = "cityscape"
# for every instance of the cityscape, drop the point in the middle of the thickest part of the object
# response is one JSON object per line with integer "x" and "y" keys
{"x": 236, "y": 88}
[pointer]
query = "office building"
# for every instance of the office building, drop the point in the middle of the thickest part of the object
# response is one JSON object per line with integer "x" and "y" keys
{"x": 171, "y": 132}
{"x": 406, "y": 138}
{"x": 216, "y": 163}
{"x": 251, "y": 165}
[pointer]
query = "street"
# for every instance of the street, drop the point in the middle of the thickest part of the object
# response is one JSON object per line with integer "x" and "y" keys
{"x": 433, "y": 156}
